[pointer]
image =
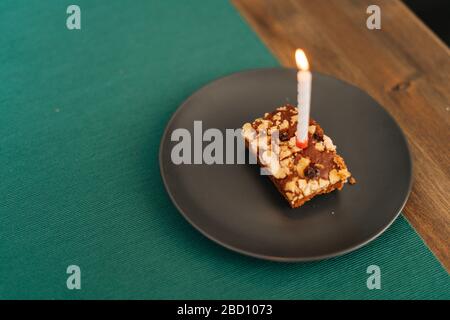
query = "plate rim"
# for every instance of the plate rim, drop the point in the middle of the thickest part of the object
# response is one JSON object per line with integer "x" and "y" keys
{"x": 277, "y": 258}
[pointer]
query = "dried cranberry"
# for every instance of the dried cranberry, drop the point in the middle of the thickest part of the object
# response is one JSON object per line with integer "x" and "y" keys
{"x": 311, "y": 172}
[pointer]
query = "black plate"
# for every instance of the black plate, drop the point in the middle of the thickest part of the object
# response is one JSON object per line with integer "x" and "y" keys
{"x": 240, "y": 209}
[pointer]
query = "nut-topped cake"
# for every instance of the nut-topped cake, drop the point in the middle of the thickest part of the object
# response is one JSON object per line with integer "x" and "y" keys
{"x": 299, "y": 174}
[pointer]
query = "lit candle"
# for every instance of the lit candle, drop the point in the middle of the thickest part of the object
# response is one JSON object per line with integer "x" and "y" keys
{"x": 303, "y": 98}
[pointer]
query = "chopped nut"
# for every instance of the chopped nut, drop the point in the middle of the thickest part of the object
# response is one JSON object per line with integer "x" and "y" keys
{"x": 270, "y": 159}
{"x": 285, "y": 152}
{"x": 301, "y": 166}
{"x": 343, "y": 174}
{"x": 312, "y": 129}
{"x": 319, "y": 146}
{"x": 249, "y": 135}
{"x": 352, "y": 180}
{"x": 280, "y": 173}
{"x": 262, "y": 142}
{"x": 277, "y": 116}
{"x": 323, "y": 183}
{"x": 294, "y": 119}
{"x": 313, "y": 185}
{"x": 248, "y": 132}
{"x": 284, "y": 125}
{"x": 264, "y": 125}
{"x": 296, "y": 149}
{"x": 307, "y": 190}
{"x": 339, "y": 161}
{"x": 286, "y": 163}
{"x": 265, "y": 157}
{"x": 275, "y": 148}
{"x": 328, "y": 143}
{"x": 333, "y": 176}
{"x": 291, "y": 186}
{"x": 247, "y": 126}
{"x": 302, "y": 184}
{"x": 292, "y": 142}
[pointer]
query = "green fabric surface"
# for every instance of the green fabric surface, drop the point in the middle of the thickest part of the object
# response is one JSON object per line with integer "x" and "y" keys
{"x": 82, "y": 114}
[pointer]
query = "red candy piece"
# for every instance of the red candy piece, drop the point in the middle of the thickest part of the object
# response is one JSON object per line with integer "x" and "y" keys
{"x": 302, "y": 144}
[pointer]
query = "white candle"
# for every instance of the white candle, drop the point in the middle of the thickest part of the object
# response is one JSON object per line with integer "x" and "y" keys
{"x": 304, "y": 78}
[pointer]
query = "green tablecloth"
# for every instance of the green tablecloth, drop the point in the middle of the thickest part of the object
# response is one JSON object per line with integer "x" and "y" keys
{"x": 82, "y": 114}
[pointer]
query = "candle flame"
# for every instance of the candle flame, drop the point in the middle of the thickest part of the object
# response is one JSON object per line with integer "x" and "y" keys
{"x": 300, "y": 59}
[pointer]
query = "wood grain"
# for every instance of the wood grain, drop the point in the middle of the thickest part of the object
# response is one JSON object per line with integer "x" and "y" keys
{"x": 404, "y": 66}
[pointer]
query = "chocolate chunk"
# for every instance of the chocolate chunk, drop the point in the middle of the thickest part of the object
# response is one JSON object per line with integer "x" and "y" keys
{"x": 284, "y": 135}
{"x": 317, "y": 137}
{"x": 311, "y": 172}
{"x": 318, "y": 134}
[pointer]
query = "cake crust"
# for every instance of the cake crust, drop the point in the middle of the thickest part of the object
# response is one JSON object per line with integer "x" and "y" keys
{"x": 298, "y": 174}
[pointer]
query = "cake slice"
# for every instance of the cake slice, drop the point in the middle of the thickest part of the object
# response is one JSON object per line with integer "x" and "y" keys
{"x": 298, "y": 174}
